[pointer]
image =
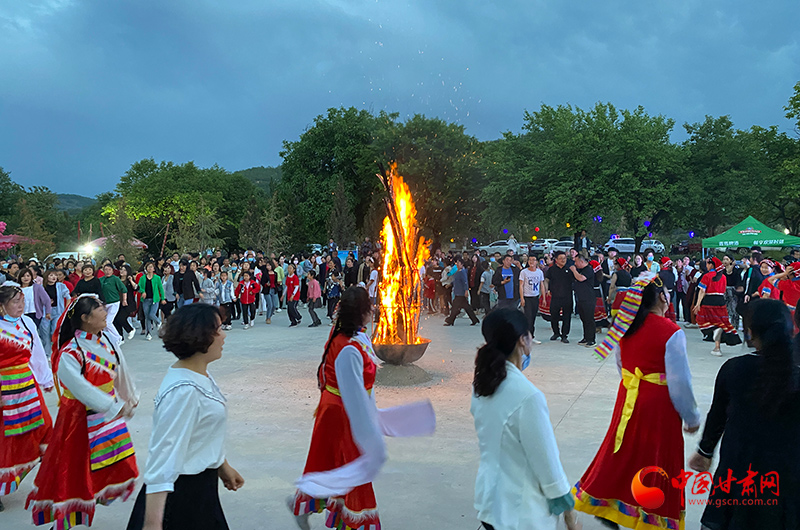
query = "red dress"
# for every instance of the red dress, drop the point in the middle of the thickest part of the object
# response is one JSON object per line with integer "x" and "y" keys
{"x": 91, "y": 460}
{"x": 26, "y": 425}
{"x": 790, "y": 291}
{"x": 652, "y": 437}
{"x": 713, "y": 313}
{"x": 332, "y": 446}
{"x": 768, "y": 290}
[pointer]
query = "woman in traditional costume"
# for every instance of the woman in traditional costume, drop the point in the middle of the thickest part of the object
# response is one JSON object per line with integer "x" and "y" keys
{"x": 655, "y": 394}
{"x": 620, "y": 282}
{"x": 767, "y": 288}
{"x": 789, "y": 286}
{"x": 756, "y": 412}
{"x": 347, "y": 447}
{"x": 186, "y": 460}
{"x": 90, "y": 460}
{"x": 521, "y": 483}
{"x": 24, "y": 372}
{"x": 711, "y": 310}
{"x": 600, "y": 314}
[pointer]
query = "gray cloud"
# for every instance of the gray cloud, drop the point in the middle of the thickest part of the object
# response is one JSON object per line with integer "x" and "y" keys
{"x": 90, "y": 87}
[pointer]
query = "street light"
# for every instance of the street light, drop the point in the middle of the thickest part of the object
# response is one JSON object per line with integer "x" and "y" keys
{"x": 786, "y": 231}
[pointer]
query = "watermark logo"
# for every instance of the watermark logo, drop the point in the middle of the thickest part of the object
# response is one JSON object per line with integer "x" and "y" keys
{"x": 752, "y": 491}
{"x": 648, "y": 497}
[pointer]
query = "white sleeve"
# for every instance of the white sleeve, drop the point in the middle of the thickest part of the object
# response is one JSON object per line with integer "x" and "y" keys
{"x": 40, "y": 366}
{"x": 679, "y": 379}
{"x": 124, "y": 385}
{"x": 539, "y": 444}
{"x": 363, "y": 417}
{"x": 360, "y": 408}
{"x": 173, "y": 422}
{"x": 69, "y": 374}
{"x": 618, "y": 358}
{"x": 414, "y": 419}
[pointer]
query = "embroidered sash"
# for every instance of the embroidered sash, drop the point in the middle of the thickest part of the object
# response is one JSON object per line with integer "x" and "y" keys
{"x": 22, "y": 410}
{"x": 109, "y": 442}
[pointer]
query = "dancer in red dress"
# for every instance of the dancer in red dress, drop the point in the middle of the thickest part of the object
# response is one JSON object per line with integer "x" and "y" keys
{"x": 24, "y": 371}
{"x": 789, "y": 286}
{"x": 711, "y": 310}
{"x": 600, "y": 314}
{"x": 767, "y": 289}
{"x": 347, "y": 448}
{"x": 655, "y": 394}
{"x": 90, "y": 460}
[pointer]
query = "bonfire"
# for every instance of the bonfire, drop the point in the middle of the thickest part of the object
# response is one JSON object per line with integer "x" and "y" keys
{"x": 400, "y": 286}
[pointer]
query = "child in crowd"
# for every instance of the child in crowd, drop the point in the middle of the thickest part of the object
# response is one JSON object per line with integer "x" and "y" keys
{"x": 226, "y": 299}
{"x": 209, "y": 288}
{"x": 314, "y": 298}
{"x": 247, "y": 291}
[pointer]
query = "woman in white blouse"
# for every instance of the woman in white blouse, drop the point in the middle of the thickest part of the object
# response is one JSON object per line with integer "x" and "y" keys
{"x": 521, "y": 484}
{"x": 187, "y": 455}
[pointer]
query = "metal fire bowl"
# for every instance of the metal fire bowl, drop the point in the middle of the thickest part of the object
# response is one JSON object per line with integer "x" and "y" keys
{"x": 401, "y": 354}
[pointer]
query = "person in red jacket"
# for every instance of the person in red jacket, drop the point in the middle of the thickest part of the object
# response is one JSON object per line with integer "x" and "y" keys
{"x": 292, "y": 295}
{"x": 247, "y": 292}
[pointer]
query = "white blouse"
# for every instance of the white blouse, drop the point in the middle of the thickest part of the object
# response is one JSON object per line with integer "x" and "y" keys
{"x": 70, "y": 375}
{"x": 519, "y": 466}
{"x": 189, "y": 425}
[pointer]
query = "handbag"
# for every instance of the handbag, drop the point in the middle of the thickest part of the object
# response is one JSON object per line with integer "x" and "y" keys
{"x": 318, "y": 303}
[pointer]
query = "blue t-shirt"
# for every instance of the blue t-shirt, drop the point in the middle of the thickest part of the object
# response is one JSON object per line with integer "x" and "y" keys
{"x": 509, "y": 273}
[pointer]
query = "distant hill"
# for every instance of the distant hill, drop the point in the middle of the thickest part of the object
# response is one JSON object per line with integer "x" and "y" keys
{"x": 68, "y": 202}
{"x": 264, "y": 177}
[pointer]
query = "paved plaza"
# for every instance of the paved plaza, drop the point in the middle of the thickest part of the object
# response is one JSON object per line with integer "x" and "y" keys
{"x": 268, "y": 375}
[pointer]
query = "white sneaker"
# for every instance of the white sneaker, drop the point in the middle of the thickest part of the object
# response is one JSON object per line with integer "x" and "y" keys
{"x": 131, "y": 333}
{"x": 536, "y": 341}
{"x": 300, "y": 520}
{"x": 149, "y": 337}
{"x": 278, "y": 310}
{"x": 716, "y": 353}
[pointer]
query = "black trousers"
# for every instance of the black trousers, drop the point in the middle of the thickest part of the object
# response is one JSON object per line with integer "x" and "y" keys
{"x": 332, "y": 301}
{"x": 682, "y": 306}
{"x": 586, "y": 313}
{"x": 475, "y": 298}
{"x": 121, "y": 320}
{"x": 166, "y": 309}
{"x": 294, "y": 314}
{"x": 561, "y": 309}
{"x": 531, "y": 310}
{"x": 486, "y": 303}
{"x": 459, "y": 303}
{"x": 248, "y": 312}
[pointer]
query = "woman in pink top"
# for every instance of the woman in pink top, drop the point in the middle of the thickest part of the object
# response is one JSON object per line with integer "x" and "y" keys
{"x": 314, "y": 298}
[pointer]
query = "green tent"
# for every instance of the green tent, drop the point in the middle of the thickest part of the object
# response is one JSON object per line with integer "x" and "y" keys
{"x": 748, "y": 233}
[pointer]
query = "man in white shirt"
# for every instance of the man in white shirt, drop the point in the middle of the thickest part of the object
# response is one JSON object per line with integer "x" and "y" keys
{"x": 530, "y": 279}
{"x": 372, "y": 285}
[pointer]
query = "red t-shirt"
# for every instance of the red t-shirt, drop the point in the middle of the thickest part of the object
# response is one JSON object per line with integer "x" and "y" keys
{"x": 293, "y": 287}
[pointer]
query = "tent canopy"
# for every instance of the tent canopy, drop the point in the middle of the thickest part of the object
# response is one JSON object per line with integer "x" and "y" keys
{"x": 748, "y": 233}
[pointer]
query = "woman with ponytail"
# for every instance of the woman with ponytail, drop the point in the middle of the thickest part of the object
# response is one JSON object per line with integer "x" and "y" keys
{"x": 347, "y": 448}
{"x": 653, "y": 399}
{"x": 25, "y": 424}
{"x": 757, "y": 406}
{"x": 90, "y": 459}
{"x": 521, "y": 483}
{"x": 712, "y": 310}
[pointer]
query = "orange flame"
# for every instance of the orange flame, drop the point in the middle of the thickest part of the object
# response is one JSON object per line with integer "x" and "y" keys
{"x": 404, "y": 252}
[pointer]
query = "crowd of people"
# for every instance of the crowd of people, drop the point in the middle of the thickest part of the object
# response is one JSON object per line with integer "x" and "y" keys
{"x": 79, "y": 315}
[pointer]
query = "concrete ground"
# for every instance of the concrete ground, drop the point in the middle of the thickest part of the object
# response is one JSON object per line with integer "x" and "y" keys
{"x": 268, "y": 375}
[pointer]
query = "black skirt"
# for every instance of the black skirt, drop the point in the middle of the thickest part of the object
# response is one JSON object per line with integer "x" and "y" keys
{"x": 194, "y": 505}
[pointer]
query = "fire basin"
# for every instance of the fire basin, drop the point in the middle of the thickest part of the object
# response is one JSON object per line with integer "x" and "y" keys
{"x": 401, "y": 353}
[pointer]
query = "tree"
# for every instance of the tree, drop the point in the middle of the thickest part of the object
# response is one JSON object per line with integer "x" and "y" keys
{"x": 10, "y": 194}
{"x": 341, "y": 224}
{"x": 569, "y": 166}
{"x": 723, "y": 174}
{"x": 29, "y": 225}
{"x": 120, "y": 235}
{"x": 169, "y": 193}
{"x": 780, "y": 204}
{"x": 199, "y": 232}
{"x": 793, "y": 107}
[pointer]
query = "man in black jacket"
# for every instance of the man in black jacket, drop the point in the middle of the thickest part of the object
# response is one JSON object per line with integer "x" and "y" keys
{"x": 507, "y": 295}
{"x": 177, "y": 282}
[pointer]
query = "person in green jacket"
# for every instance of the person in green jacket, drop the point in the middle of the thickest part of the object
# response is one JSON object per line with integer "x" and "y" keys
{"x": 113, "y": 292}
{"x": 152, "y": 296}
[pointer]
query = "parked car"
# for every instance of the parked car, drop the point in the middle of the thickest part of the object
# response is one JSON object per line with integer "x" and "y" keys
{"x": 562, "y": 245}
{"x": 542, "y": 246}
{"x": 687, "y": 246}
{"x": 75, "y": 255}
{"x": 626, "y": 245}
{"x": 500, "y": 246}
